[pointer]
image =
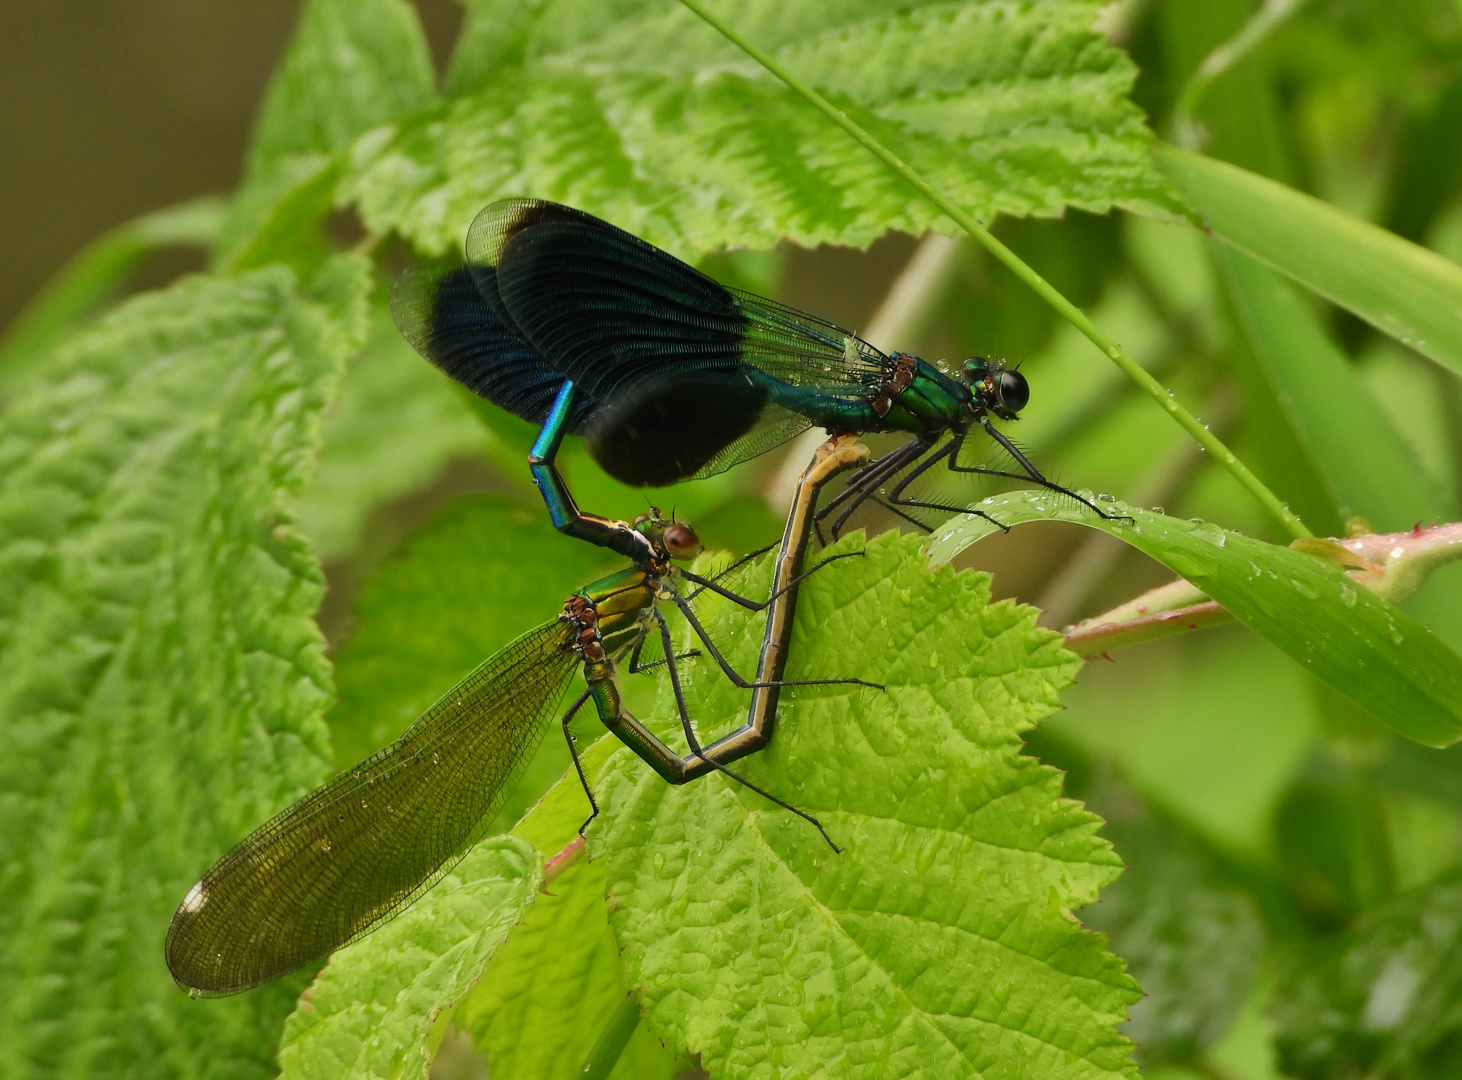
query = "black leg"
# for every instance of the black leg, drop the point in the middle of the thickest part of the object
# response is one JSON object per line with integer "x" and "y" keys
{"x": 761, "y": 605}
{"x": 871, "y": 474}
{"x": 574, "y": 753}
{"x": 896, "y": 462}
{"x": 949, "y": 453}
{"x": 1032, "y": 474}
{"x": 695, "y": 746}
{"x": 736, "y": 679}
{"x": 635, "y": 667}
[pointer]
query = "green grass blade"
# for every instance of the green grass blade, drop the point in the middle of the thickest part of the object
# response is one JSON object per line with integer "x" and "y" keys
{"x": 940, "y": 943}
{"x": 1366, "y": 648}
{"x": 1401, "y": 288}
{"x": 1365, "y": 465}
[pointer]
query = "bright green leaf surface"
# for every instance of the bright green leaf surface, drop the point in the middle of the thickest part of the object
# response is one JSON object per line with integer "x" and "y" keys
{"x": 1366, "y": 466}
{"x": 940, "y": 943}
{"x": 368, "y": 1013}
{"x": 1192, "y": 936}
{"x": 162, "y": 679}
{"x": 94, "y": 276}
{"x": 547, "y": 993}
{"x": 1371, "y": 651}
{"x": 351, "y": 65}
{"x": 397, "y": 423}
{"x": 641, "y": 113}
{"x": 1399, "y": 287}
{"x": 1380, "y": 997}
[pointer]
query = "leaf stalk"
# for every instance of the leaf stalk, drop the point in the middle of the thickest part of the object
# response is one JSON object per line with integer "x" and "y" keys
{"x": 613, "y": 1039}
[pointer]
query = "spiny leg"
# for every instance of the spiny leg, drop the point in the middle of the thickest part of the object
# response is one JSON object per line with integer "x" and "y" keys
{"x": 949, "y": 453}
{"x": 695, "y": 746}
{"x": 871, "y": 474}
{"x": 635, "y": 667}
{"x": 762, "y": 605}
{"x": 1031, "y": 474}
{"x": 897, "y": 461}
{"x": 734, "y": 566}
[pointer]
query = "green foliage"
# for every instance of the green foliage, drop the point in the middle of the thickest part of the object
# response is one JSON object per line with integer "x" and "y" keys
{"x": 483, "y": 571}
{"x": 396, "y": 425}
{"x": 1380, "y": 1000}
{"x": 641, "y": 113}
{"x": 549, "y": 991}
{"x": 940, "y": 941}
{"x": 95, "y": 276}
{"x": 1368, "y": 649}
{"x": 163, "y": 678}
{"x": 369, "y": 1012}
{"x": 1192, "y": 935}
{"x": 1365, "y": 467}
{"x": 1399, "y": 287}
{"x": 164, "y": 684}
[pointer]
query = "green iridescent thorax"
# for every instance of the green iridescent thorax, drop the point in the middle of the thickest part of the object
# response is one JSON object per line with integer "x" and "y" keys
{"x": 931, "y": 402}
{"x": 623, "y": 602}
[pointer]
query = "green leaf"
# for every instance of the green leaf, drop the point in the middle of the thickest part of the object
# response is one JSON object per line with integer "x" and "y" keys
{"x": 1400, "y": 288}
{"x": 482, "y": 571}
{"x": 940, "y": 942}
{"x": 1381, "y": 999}
{"x": 1193, "y": 938}
{"x": 351, "y": 65}
{"x": 370, "y": 1011}
{"x": 640, "y": 112}
{"x": 548, "y": 992}
{"x": 162, "y": 679}
{"x": 1365, "y": 465}
{"x": 1366, "y": 648}
{"x": 397, "y": 424}
{"x": 95, "y": 275}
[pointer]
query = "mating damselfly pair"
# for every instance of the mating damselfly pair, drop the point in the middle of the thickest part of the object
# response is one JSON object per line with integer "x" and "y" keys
{"x": 571, "y": 323}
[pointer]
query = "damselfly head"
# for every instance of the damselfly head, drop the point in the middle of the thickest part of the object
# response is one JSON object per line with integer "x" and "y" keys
{"x": 1001, "y": 390}
{"x": 680, "y": 541}
{"x": 675, "y": 538}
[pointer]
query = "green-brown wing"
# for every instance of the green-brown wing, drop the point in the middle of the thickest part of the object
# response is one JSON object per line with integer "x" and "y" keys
{"x": 352, "y": 854}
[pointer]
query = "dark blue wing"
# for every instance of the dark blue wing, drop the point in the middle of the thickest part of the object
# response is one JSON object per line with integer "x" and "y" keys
{"x": 441, "y": 312}
{"x": 620, "y": 316}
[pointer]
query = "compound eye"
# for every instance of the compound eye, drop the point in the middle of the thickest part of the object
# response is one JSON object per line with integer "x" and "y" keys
{"x": 680, "y": 541}
{"x": 1014, "y": 392}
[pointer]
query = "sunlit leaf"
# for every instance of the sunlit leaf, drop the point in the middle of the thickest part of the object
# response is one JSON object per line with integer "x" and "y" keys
{"x": 95, "y": 275}
{"x": 162, "y": 680}
{"x": 369, "y": 1012}
{"x": 642, "y": 114}
{"x": 940, "y": 942}
{"x": 548, "y": 992}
